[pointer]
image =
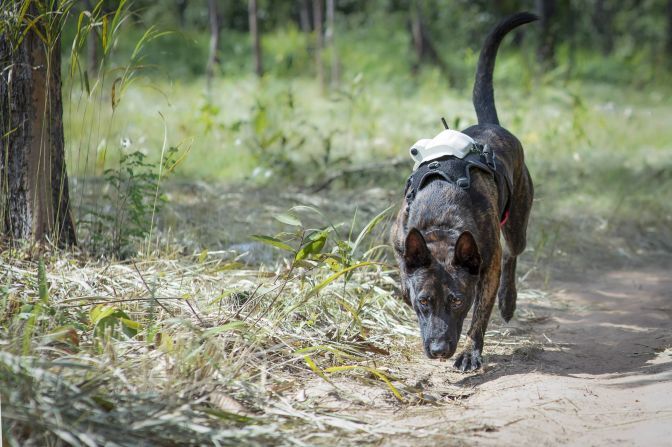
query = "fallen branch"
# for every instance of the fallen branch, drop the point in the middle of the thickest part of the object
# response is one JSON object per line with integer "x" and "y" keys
{"x": 388, "y": 164}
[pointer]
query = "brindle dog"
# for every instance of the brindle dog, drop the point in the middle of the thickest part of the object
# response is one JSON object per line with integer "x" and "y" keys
{"x": 447, "y": 239}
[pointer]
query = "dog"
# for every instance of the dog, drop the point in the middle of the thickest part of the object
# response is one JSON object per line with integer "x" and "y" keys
{"x": 446, "y": 236}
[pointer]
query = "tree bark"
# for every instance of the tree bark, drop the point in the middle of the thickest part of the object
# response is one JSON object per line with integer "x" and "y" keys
{"x": 571, "y": 53}
{"x": 319, "y": 41}
{"x": 416, "y": 36}
{"x": 331, "y": 43}
{"x": 92, "y": 46}
{"x": 34, "y": 195}
{"x": 668, "y": 33}
{"x": 213, "y": 55}
{"x": 304, "y": 16}
{"x": 181, "y": 10}
{"x": 423, "y": 45}
{"x": 602, "y": 18}
{"x": 253, "y": 14}
{"x": 546, "y": 48}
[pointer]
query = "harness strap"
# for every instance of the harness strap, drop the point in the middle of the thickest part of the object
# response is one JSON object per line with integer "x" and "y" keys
{"x": 458, "y": 172}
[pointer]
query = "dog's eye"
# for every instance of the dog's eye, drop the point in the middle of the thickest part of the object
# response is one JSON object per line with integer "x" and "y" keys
{"x": 455, "y": 301}
{"x": 423, "y": 300}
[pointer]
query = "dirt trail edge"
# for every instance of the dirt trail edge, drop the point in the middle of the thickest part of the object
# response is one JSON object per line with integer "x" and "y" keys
{"x": 603, "y": 375}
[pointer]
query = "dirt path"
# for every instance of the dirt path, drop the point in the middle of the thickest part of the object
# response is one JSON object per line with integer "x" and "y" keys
{"x": 591, "y": 365}
{"x": 604, "y": 376}
{"x": 588, "y": 363}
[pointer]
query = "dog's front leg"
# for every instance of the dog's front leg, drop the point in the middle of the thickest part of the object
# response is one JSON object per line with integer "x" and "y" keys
{"x": 469, "y": 358}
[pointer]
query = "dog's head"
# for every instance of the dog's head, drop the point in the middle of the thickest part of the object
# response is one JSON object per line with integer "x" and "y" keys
{"x": 441, "y": 285}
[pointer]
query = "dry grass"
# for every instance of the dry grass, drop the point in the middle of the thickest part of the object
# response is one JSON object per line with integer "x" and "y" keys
{"x": 221, "y": 356}
{"x": 214, "y": 350}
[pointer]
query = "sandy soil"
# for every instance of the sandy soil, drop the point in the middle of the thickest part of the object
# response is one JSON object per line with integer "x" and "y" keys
{"x": 587, "y": 362}
{"x": 596, "y": 369}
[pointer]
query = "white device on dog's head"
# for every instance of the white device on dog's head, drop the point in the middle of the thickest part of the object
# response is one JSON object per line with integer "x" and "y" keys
{"x": 448, "y": 142}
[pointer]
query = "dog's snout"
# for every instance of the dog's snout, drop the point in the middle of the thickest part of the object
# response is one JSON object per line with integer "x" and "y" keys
{"x": 440, "y": 349}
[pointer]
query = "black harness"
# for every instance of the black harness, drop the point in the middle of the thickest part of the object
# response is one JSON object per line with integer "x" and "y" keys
{"x": 458, "y": 172}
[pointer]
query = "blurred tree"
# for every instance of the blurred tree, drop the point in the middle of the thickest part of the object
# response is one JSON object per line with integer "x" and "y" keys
{"x": 213, "y": 50}
{"x": 416, "y": 35}
{"x": 423, "y": 45}
{"x": 253, "y": 14}
{"x": 34, "y": 197}
{"x": 319, "y": 41}
{"x": 304, "y": 16}
{"x": 181, "y": 10}
{"x": 92, "y": 46}
{"x": 331, "y": 44}
{"x": 546, "y": 47}
{"x": 602, "y": 23}
{"x": 668, "y": 33}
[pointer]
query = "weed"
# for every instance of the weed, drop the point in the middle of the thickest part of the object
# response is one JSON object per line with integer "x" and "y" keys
{"x": 132, "y": 197}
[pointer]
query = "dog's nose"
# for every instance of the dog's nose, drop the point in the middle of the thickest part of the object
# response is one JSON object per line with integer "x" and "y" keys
{"x": 439, "y": 348}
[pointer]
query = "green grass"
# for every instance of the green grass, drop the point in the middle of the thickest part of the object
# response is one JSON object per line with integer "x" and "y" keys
{"x": 584, "y": 136}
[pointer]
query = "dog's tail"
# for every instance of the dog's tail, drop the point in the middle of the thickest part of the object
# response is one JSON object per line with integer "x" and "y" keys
{"x": 484, "y": 95}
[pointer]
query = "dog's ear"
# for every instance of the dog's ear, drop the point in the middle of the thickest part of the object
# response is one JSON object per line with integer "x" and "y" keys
{"x": 416, "y": 253}
{"x": 466, "y": 253}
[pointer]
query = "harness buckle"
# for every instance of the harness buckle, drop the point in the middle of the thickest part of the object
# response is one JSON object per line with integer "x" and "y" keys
{"x": 463, "y": 182}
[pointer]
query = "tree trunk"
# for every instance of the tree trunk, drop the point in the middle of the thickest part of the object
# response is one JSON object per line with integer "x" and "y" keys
{"x": 181, "y": 10}
{"x": 546, "y": 48}
{"x": 331, "y": 43}
{"x": 34, "y": 197}
{"x": 602, "y": 18}
{"x": 304, "y": 16}
{"x": 319, "y": 41}
{"x": 92, "y": 46}
{"x": 423, "y": 45}
{"x": 668, "y": 33}
{"x": 416, "y": 36}
{"x": 213, "y": 55}
{"x": 253, "y": 14}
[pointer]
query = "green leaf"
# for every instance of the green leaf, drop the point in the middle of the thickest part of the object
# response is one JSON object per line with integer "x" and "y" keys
{"x": 288, "y": 219}
{"x": 313, "y": 366}
{"x": 100, "y": 312}
{"x": 42, "y": 282}
{"x": 374, "y": 371}
{"x": 369, "y": 227}
{"x": 103, "y": 316}
{"x": 260, "y": 121}
{"x": 337, "y": 275}
{"x": 273, "y": 242}
{"x": 313, "y": 246}
{"x": 104, "y": 35}
{"x": 327, "y": 348}
{"x": 130, "y": 327}
{"x": 230, "y": 326}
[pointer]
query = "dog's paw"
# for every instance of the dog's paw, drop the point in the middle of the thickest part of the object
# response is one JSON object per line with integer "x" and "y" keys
{"x": 506, "y": 298}
{"x": 506, "y": 310}
{"x": 469, "y": 360}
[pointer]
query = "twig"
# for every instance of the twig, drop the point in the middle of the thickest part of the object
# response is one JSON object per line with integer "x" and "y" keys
{"x": 394, "y": 163}
{"x": 194, "y": 311}
{"x": 151, "y": 292}
{"x": 122, "y": 300}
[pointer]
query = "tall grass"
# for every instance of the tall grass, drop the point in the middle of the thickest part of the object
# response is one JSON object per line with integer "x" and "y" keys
{"x": 190, "y": 351}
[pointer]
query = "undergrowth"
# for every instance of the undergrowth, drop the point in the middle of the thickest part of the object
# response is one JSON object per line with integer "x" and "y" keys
{"x": 195, "y": 350}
